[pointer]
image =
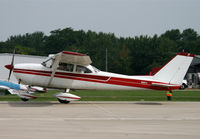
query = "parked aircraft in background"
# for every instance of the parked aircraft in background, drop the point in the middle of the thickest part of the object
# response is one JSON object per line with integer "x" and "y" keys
{"x": 23, "y": 91}
{"x": 70, "y": 70}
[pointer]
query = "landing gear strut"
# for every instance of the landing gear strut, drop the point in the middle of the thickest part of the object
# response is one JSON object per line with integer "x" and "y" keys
{"x": 169, "y": 95}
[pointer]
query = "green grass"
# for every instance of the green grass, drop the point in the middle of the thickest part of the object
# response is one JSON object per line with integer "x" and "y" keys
{"x": 185, "y": 95}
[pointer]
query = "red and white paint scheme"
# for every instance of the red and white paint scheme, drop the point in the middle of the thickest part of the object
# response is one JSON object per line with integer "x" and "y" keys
{"x": 71, "y": 70}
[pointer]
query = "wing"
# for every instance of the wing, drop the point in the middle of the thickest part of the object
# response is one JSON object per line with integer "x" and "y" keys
{"x": 4, "y": 87}
{"x": 74, "y": 58}
{"x": 11, "y": 91}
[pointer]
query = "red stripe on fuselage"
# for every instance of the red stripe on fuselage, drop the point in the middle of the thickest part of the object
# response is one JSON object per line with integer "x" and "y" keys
{"x": 61, "y": 74}
{"x": 99, "y": 79}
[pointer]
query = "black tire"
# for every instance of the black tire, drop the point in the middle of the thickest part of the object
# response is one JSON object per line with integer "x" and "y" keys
{"x": 169, "y": 98}
{"x": 183, "y": 86}
{"x": 24, "y": 99}
{"x": 63, "y": 101}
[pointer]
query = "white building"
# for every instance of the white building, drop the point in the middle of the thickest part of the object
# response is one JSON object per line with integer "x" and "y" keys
{"x": 6, "y": 58}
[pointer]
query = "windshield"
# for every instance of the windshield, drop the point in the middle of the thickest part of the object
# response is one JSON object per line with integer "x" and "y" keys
{"x": 95, "y": 69}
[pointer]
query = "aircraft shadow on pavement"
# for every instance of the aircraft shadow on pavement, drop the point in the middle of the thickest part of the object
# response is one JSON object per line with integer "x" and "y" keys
{"x": 30, "y": 104}
{"x": 47, "y": 104}
{"x": 148, "y": 103}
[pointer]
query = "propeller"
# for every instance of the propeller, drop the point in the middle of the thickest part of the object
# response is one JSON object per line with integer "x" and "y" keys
{"x": 11, "y": 66}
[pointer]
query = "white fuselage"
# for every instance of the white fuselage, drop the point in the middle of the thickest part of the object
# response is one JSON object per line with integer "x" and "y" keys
{"x": 68, "y": 70}
{"x": 39, "y": 75}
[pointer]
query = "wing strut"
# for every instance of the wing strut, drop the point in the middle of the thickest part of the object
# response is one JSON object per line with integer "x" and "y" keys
{"x": 54, "y": 67}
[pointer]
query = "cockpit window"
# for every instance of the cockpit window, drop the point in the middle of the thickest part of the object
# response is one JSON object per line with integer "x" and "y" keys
{"x": 95, "y": 69}
{"x": 66, "y": 67}
{"x": 82, "y": 69}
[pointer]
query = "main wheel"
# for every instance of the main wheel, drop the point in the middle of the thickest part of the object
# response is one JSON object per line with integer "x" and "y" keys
{"x": 63, "y": 101}
{"x": 24, "y": 99}
{"x": 169, "y": 98}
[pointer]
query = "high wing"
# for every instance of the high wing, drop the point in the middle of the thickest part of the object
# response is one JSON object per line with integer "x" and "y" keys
{"x": 9, "y": 85}
{"x": 4, "y": 87}
{"x": 11, "y": 91}
{"x": 73, "y": 58}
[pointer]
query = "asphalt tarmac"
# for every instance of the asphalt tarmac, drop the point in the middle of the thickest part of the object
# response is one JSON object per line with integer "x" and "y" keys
{"x": 100, "y": 120}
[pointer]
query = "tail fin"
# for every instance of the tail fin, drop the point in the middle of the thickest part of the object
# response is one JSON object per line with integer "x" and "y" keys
{"x": 174, "y": 71}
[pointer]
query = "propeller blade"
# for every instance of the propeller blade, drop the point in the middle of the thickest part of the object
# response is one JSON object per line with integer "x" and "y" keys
{"x": 12, "y": 62}
{"x": 9, "y": 74}
{"x": 12, "y": 65}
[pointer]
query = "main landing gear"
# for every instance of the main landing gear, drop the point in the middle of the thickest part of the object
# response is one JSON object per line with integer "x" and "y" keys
{"x": 64, "y": 101}
{"x": 66, "y": 97}
{"x": 169, "y": 95}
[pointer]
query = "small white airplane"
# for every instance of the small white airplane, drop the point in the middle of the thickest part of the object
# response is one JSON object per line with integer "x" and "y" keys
{"x": 71, "y": 70}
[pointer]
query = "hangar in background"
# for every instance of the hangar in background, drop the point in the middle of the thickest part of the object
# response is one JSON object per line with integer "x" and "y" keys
{"x": 193, "y": 74}
{"x": 6, "y": 58}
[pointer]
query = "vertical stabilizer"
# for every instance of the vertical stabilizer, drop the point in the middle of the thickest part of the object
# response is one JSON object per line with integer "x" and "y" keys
{"x": 174, "y": 71}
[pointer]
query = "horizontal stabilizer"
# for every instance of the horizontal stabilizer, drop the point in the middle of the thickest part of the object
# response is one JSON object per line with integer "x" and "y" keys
{"x": 164, "y": 85}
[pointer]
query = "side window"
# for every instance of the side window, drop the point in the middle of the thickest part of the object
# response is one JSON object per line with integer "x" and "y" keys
{"x": 66, "y": 67}
{"x": 70, "y": 67}
{"x": 82, "y": 69}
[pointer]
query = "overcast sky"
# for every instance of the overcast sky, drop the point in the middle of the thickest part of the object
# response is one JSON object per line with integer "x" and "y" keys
{"x": 122, "y": 17}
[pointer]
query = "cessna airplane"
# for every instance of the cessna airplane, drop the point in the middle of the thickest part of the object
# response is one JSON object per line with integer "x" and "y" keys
{"x": 71, "y": 70}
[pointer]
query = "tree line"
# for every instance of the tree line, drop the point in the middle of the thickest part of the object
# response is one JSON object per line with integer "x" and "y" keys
{"x": 131, "y": 55}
